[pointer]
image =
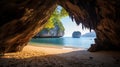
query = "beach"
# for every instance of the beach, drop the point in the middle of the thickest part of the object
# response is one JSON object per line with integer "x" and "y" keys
{"x": 42, "y": 56}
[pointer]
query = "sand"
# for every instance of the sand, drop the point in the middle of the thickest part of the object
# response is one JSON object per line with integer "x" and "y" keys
{"x": 41, "y": 56}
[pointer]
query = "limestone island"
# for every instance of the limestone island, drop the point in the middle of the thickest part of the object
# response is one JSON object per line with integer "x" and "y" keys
{"x": 55, "y": 32}
{"x": 76, "y": 34}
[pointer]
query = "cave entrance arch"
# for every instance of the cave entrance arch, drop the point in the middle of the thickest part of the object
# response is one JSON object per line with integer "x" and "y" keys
{"x": 21, "y": 20}
{"x": 60, "y": 25}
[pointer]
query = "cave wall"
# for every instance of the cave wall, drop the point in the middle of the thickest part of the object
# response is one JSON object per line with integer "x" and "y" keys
{"x": 21, "y": 20}
{"x": 99, "y": 15}
{"x": 108, "y": 28}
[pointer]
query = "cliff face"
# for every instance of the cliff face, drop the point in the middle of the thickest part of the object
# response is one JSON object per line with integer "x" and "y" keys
{"x": 20, "y": 20}
{"x": 108, "y": 28}
{"x": 53, "y": 32}
{"x": 54, "y": 26}
{"x": 76, "y": 34}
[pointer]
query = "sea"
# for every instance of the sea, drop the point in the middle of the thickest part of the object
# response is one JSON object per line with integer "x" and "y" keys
{"x": 82, "y": 42}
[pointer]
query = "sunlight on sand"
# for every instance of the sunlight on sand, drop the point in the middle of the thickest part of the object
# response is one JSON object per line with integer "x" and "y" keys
{"x": 34, "y": 56}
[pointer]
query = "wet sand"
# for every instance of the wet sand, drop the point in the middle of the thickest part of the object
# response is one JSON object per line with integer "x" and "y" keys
{"x": 41, "y": 56}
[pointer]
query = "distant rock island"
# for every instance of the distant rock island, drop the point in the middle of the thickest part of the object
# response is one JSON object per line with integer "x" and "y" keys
{"x": 52, "y": 33}
{"x": 55, "y": 32}
{"x": 91, "y": 34}
{"x": 76, "y": 34}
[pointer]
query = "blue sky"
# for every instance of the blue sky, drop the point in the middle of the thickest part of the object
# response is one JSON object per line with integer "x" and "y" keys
{"x": 70, "y": 27}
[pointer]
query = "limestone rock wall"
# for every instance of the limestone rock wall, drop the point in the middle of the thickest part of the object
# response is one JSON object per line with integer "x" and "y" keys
{"x": 21, "y": 20}
{"x": 108, "y": 28}
{"x": 53, "y": 32}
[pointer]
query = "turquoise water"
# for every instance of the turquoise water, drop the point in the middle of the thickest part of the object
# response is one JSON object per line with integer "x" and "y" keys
{"x": 82, "y": 42}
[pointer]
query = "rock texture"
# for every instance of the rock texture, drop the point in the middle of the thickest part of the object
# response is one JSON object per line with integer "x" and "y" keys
{"x": 108, "y": 28}
{"x": 20, "y": 20}
{"x": 76, "y": 34}
{"x": 53, "y": 33}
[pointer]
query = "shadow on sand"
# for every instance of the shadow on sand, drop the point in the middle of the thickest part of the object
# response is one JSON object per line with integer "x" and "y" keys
{"x": 81, "y": 58}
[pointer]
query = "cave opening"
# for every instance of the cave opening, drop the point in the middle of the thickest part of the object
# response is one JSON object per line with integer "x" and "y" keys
{"x": 24, "y": 19}
{"x": 59, "y": 29}
{"x": 20, "y": 20}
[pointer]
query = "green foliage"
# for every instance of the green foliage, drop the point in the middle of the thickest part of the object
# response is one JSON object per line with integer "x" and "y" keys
{"x": 55, "y": 18}
{"x": 63, "y": 13}
{"x": 49, "y": 24}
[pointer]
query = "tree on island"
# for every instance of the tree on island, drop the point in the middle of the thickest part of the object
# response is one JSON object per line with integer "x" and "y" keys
{"x": 54, "y": 22}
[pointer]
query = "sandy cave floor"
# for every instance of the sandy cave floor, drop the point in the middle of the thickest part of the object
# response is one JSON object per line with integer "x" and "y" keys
{"x": 34, "y": 56}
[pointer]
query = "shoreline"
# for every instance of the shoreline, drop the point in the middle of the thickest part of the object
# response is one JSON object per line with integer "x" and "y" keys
{"x": 67, "y": 42}
{"x": 55, "y": 46}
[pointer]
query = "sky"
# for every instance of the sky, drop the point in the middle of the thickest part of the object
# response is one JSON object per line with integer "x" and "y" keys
{"x": 70, "y": 27}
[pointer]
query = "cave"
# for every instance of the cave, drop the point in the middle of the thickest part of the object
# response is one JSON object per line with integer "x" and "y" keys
{"x": 23, "y": 19}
